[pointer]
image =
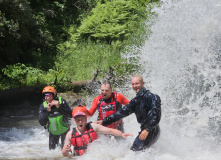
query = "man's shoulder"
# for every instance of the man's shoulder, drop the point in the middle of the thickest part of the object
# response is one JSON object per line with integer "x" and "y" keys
{"x": 148, "y": 94}
{"x": 93, "y": 125}
{"x": 152, "y": 96}
{"x": 60, "y": 98}
{"x": 69, "y": 134}
{"x": 97, "y": 98}
{"x": 41, "y": 106}
{"x": 119, "y": 94}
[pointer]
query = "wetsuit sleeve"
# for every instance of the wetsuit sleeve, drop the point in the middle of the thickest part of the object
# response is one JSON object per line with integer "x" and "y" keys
{"x": 154, "y": 114}
{"x": 65, "y": 109}
{"x": 93, "y": 108}
{"x": 121, "y": 113}
{"x": 43, "y": 115}
{"x": 121, "y": 99}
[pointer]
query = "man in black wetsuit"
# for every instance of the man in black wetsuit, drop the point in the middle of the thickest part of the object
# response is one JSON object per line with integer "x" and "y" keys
{"x": 147, "y": 107}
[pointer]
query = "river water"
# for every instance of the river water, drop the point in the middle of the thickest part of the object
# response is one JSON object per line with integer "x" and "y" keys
{"x": 181, "y": 62}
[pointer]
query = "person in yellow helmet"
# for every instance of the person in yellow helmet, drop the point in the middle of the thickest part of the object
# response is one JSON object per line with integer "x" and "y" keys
{"x": 54, "y": 114}
{"x": 85, "y": 133}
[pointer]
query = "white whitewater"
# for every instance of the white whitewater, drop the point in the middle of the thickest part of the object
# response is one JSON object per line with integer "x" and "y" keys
{"x": 182, "y": 63}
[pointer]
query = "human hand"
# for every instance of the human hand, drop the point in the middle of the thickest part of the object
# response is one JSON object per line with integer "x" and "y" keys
{"x": 68, "y": 148}
{"x": 143, "y": 134}
{"x": 99, "y": 122}
{"x": 56, "y": 103}
{"x": 125, "y": 135}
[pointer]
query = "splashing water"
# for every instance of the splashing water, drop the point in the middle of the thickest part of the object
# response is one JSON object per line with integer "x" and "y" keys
{"x": 182, "y": 62}
{"x": 182, "y": 59}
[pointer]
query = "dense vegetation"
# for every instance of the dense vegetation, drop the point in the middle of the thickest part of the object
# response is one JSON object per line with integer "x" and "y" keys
{"x": 64, "y": 40}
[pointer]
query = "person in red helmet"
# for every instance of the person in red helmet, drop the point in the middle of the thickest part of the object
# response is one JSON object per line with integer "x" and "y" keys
{"x": 107, "y": 103}
{"x": 85, "y": 133}
{"x": 54, "y": 114}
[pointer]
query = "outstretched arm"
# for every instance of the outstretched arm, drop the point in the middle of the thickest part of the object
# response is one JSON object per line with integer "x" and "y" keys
{"x": 105, "y": 130}
{"x": 121, "y": 113}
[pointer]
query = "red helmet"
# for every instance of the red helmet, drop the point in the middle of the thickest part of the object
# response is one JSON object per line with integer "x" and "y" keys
{"x": 80, "y": 110}
{"x": 49, "y": 89}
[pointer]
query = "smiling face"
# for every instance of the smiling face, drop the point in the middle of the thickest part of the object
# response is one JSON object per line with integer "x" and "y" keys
{"x": 137, "y": 83}
{"x": 106, "y": 91}
{"x": 48, "y": 97}
{"x": 80, "y": 122}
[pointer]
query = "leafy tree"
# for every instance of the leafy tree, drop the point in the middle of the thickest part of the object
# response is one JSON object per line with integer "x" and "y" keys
{"x": 111, "y": 21}
{"x": 18, "y": 31}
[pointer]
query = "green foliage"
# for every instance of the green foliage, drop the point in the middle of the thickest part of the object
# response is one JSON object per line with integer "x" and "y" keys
{"x": 54, "y": 42}
{"x": 21, "y": 41}
{"x": 80, "y": 61}
{"x": 11, "y": 25}
{"x": 113, "y": 20}
{"x": 21, "y": 75}
{"x": 31, "y": 29}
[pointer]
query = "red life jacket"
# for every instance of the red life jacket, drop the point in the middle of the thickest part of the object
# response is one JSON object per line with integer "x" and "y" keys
{"x": 107, "y": 108}
{"x": 80, "y": 141}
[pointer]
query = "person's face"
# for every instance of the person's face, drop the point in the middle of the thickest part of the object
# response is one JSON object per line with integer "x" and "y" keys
{"x": 106, "y": 91}
{"x": 137, "y": 84}
{"x": 80, "y": 122}
{"x": 49, "y": 97}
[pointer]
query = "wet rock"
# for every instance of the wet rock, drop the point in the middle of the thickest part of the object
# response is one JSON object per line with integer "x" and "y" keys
{"x": 70, "y": 97}
{"x": 27, "y": 100}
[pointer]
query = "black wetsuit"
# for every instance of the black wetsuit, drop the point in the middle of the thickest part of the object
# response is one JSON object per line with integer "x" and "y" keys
{"x": 43, "y": 119}
{"x": 147, "y": 107}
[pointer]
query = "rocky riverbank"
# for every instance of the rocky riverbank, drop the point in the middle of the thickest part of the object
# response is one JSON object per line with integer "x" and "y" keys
{"x": 26, "y": 101}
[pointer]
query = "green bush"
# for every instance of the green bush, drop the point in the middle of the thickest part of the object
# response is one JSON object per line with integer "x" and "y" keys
{"x": 113, "y": 20}
{"x": 21, "y": 75}
{"x": 80, "y": 61}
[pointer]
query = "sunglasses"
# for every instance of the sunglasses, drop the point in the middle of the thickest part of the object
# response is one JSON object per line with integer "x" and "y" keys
{"x": 48, "y": 95}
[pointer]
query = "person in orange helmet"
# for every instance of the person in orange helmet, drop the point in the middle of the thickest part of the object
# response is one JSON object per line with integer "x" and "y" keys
{"x": 107, "y": 103}
{"x": 85, "y": 133}
{"x": 54, "y": 114}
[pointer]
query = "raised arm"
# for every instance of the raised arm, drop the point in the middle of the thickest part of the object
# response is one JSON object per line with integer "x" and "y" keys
{"x": 106, "y": 130}
{"x": 93, "y": 108}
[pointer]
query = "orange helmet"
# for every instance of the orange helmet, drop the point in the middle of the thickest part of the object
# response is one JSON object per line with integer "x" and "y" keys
{"x": 80, "y": 110}
{"x": 49, "y": 89}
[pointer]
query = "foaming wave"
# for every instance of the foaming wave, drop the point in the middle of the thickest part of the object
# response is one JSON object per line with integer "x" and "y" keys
{"x": 182, "y": 59}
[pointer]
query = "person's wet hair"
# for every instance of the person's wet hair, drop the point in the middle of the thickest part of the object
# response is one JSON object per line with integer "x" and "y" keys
{"x": 107, "y": 83}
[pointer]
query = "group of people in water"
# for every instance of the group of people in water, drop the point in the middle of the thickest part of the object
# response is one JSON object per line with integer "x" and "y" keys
{"x": 55, "y": 115}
